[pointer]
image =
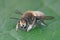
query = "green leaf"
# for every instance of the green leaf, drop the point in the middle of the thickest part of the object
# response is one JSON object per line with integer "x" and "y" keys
{"x": 7, "y": 25}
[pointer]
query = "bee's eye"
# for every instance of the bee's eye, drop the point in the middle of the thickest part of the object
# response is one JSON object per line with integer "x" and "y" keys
{"x": 23, "y": 25}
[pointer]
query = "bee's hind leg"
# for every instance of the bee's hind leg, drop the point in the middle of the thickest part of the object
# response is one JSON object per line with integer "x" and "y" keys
{"x": 42, "y": 22}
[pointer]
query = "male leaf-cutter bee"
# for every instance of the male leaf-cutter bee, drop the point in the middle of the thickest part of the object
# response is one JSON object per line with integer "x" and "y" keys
{"x": 30, "y": 18}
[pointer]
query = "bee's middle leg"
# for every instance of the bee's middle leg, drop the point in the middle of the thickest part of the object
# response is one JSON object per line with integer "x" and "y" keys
{"x": 31, "y": 25}
{"x": 29, "y": 28}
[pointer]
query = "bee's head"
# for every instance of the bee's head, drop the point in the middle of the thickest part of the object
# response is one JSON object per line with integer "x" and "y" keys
{"x": 22, "y": 24}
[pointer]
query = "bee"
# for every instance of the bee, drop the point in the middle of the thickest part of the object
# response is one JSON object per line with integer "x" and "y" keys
{"x": 30, "y": 18}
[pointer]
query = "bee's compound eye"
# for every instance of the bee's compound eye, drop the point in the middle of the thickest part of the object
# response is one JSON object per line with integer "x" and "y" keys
{"x": 21, "y": 27}
{"x": 25, "y": 27}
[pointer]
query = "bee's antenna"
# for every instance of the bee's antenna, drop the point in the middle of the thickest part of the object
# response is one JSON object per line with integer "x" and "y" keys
{"x": 14, "y": 18}
{"x": 18, "y": 12}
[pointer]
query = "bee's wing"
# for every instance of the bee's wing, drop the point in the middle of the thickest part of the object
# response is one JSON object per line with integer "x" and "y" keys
{"x": 48, "y": 17}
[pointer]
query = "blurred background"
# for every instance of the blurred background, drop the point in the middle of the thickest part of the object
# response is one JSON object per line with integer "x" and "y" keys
{"x": 7, "y": 26}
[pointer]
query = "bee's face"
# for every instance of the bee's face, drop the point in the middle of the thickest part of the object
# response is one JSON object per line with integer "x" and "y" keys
{"x": 22, "y": 24}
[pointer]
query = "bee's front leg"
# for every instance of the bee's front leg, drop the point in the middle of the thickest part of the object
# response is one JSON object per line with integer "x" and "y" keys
{"x": 17, "y": 27}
